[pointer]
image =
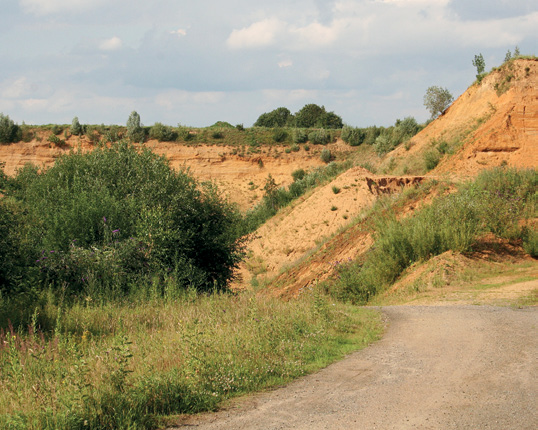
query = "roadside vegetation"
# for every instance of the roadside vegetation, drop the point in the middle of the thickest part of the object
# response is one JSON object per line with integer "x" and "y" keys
{"x": 501, "y": 201}
{"x": 114, "y": 302}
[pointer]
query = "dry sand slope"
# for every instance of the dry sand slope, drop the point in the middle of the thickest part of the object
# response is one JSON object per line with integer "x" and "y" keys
{"x": 438, "y": 367}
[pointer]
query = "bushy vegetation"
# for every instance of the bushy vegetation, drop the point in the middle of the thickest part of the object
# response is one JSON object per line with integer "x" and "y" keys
{"x": 280, "y": 117}
{"x": 310, "y": 116}
{"x": 9, "y": 131}
{"x": 162, "y": 133}
{"x": 496, "y": 202}
{"x": 111, "y": 218}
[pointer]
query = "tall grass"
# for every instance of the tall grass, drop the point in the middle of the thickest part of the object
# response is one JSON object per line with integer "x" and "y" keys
{"x": 123, "y": 365}
{"x": 500, "y": 201}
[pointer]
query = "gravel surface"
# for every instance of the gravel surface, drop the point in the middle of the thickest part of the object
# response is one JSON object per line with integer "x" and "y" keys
{"x": 437, "y": 367}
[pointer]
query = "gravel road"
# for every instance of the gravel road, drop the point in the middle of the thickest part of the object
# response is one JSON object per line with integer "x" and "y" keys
{"x": 437, "y": 367}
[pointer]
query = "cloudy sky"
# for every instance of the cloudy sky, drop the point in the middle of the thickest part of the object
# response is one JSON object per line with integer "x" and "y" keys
{"x": 198, "y": 62}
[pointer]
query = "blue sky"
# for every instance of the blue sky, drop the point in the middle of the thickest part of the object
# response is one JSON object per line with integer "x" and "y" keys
{"x": 195, "y": 63}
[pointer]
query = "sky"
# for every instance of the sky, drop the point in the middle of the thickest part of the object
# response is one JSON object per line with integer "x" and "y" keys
{"x": 198, "y": 62}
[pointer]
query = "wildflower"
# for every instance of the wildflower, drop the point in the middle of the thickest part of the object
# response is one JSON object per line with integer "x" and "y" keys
{"x": 116, "y": 231}
{"x": 104, "y": 219}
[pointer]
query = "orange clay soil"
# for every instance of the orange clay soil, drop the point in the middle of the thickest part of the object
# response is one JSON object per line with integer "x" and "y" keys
{"x": 241, "y": 178}
{"x": 496, "y": 123}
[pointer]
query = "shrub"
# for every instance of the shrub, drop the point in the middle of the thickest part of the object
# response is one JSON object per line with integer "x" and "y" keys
{"x": 131, "y": 210}
{"x": 335, "y": 189}
{"x": 353, "y": 136}
{"x": 162, "y": 133}
{"x": 431, "y": 159}
{"x": 319, "y": 137}
{"x": 56, "y": 140}
{"x": 300, "y": 135}
{"x": 279, "y": 135}
{"x": 298, "y": 174}
{"x": 383, "y": 145}
{"x": 9, "y": 131}
{"x": 217, "y": 134}
{"x": 326, "y": 155}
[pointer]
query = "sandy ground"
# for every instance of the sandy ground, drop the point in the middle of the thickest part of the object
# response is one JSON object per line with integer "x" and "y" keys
{"x": 437, "y": 367}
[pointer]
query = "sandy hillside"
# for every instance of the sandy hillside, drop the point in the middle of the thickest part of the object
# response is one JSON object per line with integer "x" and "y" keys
{"x": 240, "y": 176}
{"x": 491, "y": 124}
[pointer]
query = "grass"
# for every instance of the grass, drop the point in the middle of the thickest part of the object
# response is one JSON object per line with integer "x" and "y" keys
{"x": 499, "y": 201}
{"x": 128, "y": 365}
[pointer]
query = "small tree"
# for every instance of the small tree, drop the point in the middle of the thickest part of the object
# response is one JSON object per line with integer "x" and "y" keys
{"x": 280, "y": 117}
{"x": 135, "y": 132}
{"x": 9, "y": 131}
{"x": 480, "y": 65}
{"x": 437, "y": 100}
{"x": 76, "y": 128}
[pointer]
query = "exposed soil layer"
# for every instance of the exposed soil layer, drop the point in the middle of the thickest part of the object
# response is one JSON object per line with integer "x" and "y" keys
{"x": 451, "y": 367}
{"x": 491, "y": 124}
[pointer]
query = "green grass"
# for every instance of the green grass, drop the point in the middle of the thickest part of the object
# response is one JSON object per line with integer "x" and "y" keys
{"x": 127, "y": 365}
{"x": 499, "y": 201}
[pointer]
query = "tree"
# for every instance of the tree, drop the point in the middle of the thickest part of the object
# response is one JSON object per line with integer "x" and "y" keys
{"x": 480, "y": 65}
{"x": 9, "y": 131}
{"x": 76, "y": 128}
{"x": 279, "y": 117}
{"x": 312, "y": 115}
{"x": 135, "y": 132}
{"x": 437, "y": 100}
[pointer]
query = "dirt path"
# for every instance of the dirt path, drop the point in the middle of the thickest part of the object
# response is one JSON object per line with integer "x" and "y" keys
{"x": 437, "y": 367}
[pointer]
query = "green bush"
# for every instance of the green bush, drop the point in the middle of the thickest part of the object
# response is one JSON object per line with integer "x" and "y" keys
{"x": 56, "y": 140}
{"x": 162, "y": 133}
{"x": 127, "y": 211}
{"x": 300, "y": 135}
{"x": 353, "y": 136}
{"x": 217, "y": 134}
{"x": 431, "y": 159}
{"x": 279, "y": 135}
{"x": 9, "y": 131}
{"x": 298, "y": 174}
{"x": 326, "y": 155}
{"x": 319, "y": 137}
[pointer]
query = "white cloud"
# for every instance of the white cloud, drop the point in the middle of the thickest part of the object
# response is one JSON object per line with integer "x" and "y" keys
{"x": 16, "y": 89}
{"x": 44, "y": 7}
{"x": 260, "y": 34}
{"x": 112, "y": 44}
{"x": 316, "y": 34}
{"x": 179, "y": 32}
{"x": 285, "y": 63}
